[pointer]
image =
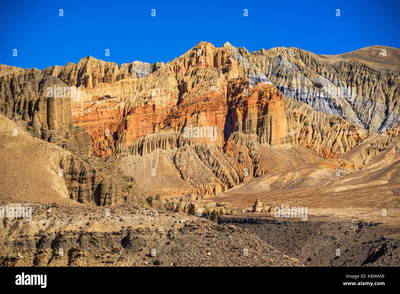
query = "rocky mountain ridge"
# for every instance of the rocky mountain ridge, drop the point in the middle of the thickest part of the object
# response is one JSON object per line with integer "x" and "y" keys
{"x": 241, "y": 108}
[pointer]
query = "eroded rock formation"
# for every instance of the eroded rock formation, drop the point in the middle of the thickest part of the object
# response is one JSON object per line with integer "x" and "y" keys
{"x": 208, "y": 120}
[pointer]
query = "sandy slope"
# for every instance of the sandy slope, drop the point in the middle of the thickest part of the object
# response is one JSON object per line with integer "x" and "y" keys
{"x": 29, "y": 167}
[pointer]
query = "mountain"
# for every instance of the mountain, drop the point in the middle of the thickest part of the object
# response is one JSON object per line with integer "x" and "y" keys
{"x": 327, "y": 104}
{"x": 209, "y": 133}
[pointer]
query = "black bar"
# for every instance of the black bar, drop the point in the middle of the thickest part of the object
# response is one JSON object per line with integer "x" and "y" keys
{"x": 205, "y": 279}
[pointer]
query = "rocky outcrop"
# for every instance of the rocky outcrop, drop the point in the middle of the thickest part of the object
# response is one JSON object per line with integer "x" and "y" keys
{"x": 43, "y": 105}
{"x": 188, "y": 204}
{"x": 208, "y": 120}
{"x": 23, "y": 95}
{"x": 329, "y": 136}
{"x": 216, "y": 133}
{"x": 261, "y": 112}
{"x": 80, "y": 179}
{"x": 89, "y": 71}
{"x": 380, "y": 150}
{"x": 78, "y": 235}
{"x": 87, "y": 183}
{"x": 39, "y": 171}
{"x": 362, "y": 87}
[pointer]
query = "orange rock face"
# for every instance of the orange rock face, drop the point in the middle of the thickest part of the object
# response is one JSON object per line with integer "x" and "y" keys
{"x": 199, "y": 125}
{"x": 102, "y": 119}
{"x": 262, "y": 112}
{"x": 202, "y": 96}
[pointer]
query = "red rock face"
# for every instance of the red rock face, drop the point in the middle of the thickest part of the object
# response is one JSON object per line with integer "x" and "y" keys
{"x": 196, "y": 122}
{"x": 143, "y": 120}
{"x": 262, "y": 112}
{"x": 202, "y": 96}
{"x": 102, "y": 120}
{"x": 204, "y": 118}
{"x": 189, "y": 93}
{"x": 206, "y": 112}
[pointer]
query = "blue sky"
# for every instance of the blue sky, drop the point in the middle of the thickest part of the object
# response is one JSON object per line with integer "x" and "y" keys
{"x": 43, "y": 38}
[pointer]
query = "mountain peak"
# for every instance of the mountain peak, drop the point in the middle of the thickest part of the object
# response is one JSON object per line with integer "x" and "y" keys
{"x": 204, "y": 44}
{"x": 227, "y": 44}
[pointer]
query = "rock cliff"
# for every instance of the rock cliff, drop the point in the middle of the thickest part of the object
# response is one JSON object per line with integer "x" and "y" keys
{"x": 206, "y": 121}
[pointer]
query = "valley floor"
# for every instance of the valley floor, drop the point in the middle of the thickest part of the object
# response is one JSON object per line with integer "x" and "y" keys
{"x": 81, "y": 235}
